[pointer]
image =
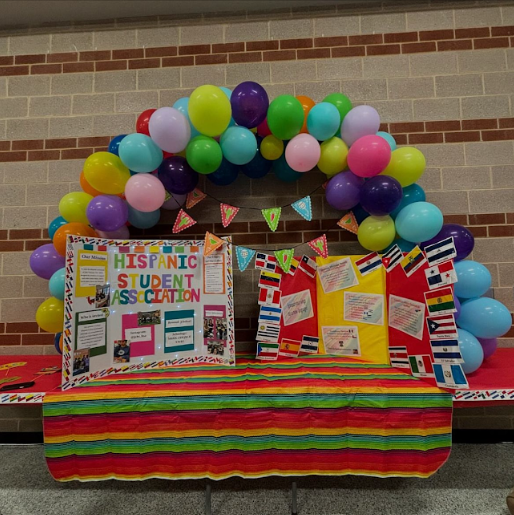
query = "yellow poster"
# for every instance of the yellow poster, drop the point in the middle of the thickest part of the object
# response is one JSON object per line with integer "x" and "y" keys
{"x": 91, "y": 272}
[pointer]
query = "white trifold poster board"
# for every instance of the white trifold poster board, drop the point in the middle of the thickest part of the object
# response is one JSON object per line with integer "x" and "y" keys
{"x": 137, "y": 305}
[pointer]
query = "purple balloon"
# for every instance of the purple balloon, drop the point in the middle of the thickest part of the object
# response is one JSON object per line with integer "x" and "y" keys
{"x": 462, "y": 238}
{"x": 45, "y": 261}
{"x": 457, "y": 307}
{"x": 177, "y": 176}
{"x": 250, "y": 103}
{"x": 174, "y": 202}
{"x": 122, "y": 233}
{"x": 343, "y": 190}
{"x": 488, "y": 346}
{"x": 107, "y": 212}
{"x": 380, "y": 195}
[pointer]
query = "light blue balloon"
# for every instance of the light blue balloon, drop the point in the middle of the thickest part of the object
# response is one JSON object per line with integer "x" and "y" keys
{"x": 323, "y": 121}
{"x": 181, "y": 105}
{"x": 388, "y": 138}
{"x": 228, "y": 92}
{"x": 56, "y": 283}
{"x": 411, "y": 194}
{"x": 139, "y": 153}
{"x": 239, "y": 145}
{"x": 474, "y": 279}
{"x": 419, "y": 221}
{"x": 143, "y": 220}
{"x": 54, "y": 225}
{"x": 405, "y": 246}
{"x": 471, "y": 351}
{"x": 484, "y": 318}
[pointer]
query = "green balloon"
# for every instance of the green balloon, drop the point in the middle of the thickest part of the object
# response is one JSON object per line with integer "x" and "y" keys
{"x": 342, "y": 102}
{"x": 204, "y": 154}
{"x": 285, "y": 117}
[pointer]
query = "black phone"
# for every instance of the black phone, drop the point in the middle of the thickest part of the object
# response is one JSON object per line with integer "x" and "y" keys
{"x": 17, "y": 386}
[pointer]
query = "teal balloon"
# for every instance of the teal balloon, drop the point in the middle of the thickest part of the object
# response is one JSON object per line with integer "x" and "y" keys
{"x": 405, "y": 246}
{"x": 56, "y": 284}
{"x": 323, "y": 121}
{"x": 474, "y": 279}
{"x": 471, "y": 351}
{"x": 228, "y": 92}
{"x": 411, "y": 194}
{"x": 181, "y": 105}
{"x": 238, "y": 145}
{"x": 54, "y": 225}
{"x": 143, "y": 220}
{"x": 283, "y": 171}
{"x": 484, "y": 318}
{"x": 388, "y": 138}
{"x": 139, "y": 153}
{"x": 419, "y": 221}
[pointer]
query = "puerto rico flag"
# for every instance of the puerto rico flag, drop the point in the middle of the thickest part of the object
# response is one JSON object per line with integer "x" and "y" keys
{"x": 441, "y": 251}
{"x": 442, "y": 328}
{"x": 368, "y": 263}
{"x": 441, "y": 275}
{"x": 265, "y": 262}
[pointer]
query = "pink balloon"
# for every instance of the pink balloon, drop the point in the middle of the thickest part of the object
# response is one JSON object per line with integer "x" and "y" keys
{"x": 169, "y": 129}
{"x": 369, "y": 156}
{"x": 303, "y": 153}
{"x": 122, "y": 233}
{"x": 174, "y": 202}
{"x": 145, "y": 192}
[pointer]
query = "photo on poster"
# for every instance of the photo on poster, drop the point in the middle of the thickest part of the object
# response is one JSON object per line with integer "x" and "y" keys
{"x": 208, "y": 327}
{"x": 121, "y": 351}
{"x": 216, "y": 347}
{"x": 80, "y": 362}
{"x": 220, "y": 331}
{"x": 103, "y": 296}
{"x": 149, "y": 317}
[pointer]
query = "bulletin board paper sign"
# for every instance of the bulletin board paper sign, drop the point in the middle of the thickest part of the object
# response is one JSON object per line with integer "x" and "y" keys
{"x": 366, "y": 308}
{"x": 154, "y": 297}
{"x": 407, "y": 316}
{"x": 337, "y": 275}
{"x": 342, "y": 340}
{"x": 297, "y": 307}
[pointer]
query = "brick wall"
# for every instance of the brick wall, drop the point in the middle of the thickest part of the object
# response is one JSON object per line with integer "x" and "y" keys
{"x": 441, "y": 78}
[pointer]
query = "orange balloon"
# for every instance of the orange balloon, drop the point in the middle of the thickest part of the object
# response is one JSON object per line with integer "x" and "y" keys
{"x": 73, "y": 228}
{"x": 86, "y": 187}
{"x": 307, "y": 104}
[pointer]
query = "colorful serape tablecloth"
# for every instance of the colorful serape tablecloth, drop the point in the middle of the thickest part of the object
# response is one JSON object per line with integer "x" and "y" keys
{"x": 315, "y": 415}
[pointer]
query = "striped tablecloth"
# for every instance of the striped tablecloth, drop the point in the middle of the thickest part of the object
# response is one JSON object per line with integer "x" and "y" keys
{"x": 310, "y": 415}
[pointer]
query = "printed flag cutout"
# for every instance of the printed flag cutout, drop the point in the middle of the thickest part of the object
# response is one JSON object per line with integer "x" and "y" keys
{"x": 268, "y": 332}
{"x": 441, "y": 275}
{"x": 399, "y": 357}
{"x": 392, "y": 258}
{"x": 294, "y": 266}
{"x": 369, "y": 263}
{"x": 267, "y": 350}
{"x": 413, "y": 261}
{"x": 349, "y": 223}
{"x": 193, "y": 197}
{"x": 450, "y": 376}
{"x": 182, "y": 222}
{"x": 319, "y": 245}
{"x": 269, "y": 280}
{"x": 442, "y": 328}
{"x": 308, "y": 266}
{"x": 440, "y": 302}
{"x": 270, "y": 315}
{"x": 284, "y": 258}
{"x": 269, "y": 297}
{"x": 303, "y": 207}
{"x": 244, "y": 256}
{"x": 446, "y": 351}
{"x": 265, "y": 262}
{"x": 421, "y": 366}
{"x": 441, "y": 251}
{"x": 272, "y": 216}
{"x": 309, "y": 345}
{"x": 228, "y": 214}
{"x": 289, "y": 348}
{"x": 212, "y": 242}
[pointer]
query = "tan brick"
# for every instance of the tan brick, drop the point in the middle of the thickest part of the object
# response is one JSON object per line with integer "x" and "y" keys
{"x": 411, "y": 88}
{"x": 274, "y": 90}
{"x": 30, "y": 85}
{"x": 169, "y": 96}
{"x": 486, "y": 17}
{"x": 291, "y": 29}
{"x": 250, "y": 31}
{"x": 33, "y": 286}
{"x": 199, "y": 34}
{"x": 316, "y": 90}
{"x": 95, "y": 103}
{"x": 163, "y": 78}
{"x": 485, "y": 107}
{"x": 71, "y": 126}
{"x": 114, "y": 123}
{"x": 443, "y": 154}
{"x": 258, "y": 72}
{"x": 506, "y": 271}
{"x": 35, "y": 44}
{"x": 440, "y": 63}
{"x": 4, "y": 46}
{"x": 46, "y": 194}
{"x": 499, "y": 83}
{"x": 71, "y": 83}
{"x": 13, "y": 107}
{"x": 466, "y": 178}
{"x": 490, "y": 153}
{"x": 194, "y": 76}
{"x": 157, "y": 37}
{"x": 493, "y": 269}
{"x": 24, "y": 172}
{"x": 493, "y": 250}
{"x": 440, "y": 109}
{"x": 114, "y": 39}
{"x": 431, "y": 180}
{"x": 285, "y": 71}
{"x": 31, "y": 425}
{"x": 115, "y": 81}
{"x": 12, "y": 287}
{"x": 503, "y": 176}
{"x": 386, "y": 66}
{"x": 336, "y": 26}
{"x": 3, "y": 129}
{"x": 458, "y": 85}
{"x": 365, "y": 90}
{"x": 339, "y": 68}
{"x": 64, "y": 171}
{"x": 3, "y": 87}
{"x": 383, "y": 23}
{"x": 136, "y": 101}
{"x": 481, "y": 61}
{"x": 24, "y": 218}
{"x": 25, "y": 350}
{"x": 47, "y": 350}
{"x": 449, "y": 202}
{"x": 505, "y": 296}
{"x": 394, "y": 110}
{"x": 16, "y": 263}
{"x": 491, "y": 201}
{"x": 35, "y": 128}
{"x": 430, "y": 20}
{"x": 72, "y": 42}
{"x": 50, "y": 106}
{"x": 12, "y": 195}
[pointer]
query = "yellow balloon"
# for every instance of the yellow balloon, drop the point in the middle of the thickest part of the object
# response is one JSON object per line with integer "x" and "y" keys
{"x": 50, "y": 315}
{"x": 406, "y": 166}
{"x": 72, "y": 207}
{"x": 271, "y": 147}
{"x": 334, "y": 153}
{"x": 209, "y": 110}
{"x": 376, "y": 232}
{"x": 106, "y": 173}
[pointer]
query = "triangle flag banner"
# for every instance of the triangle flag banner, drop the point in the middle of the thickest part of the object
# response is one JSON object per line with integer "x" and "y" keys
{"x": 319, "y": 245}
{"x": 212, "y": 242}
{"x": 349, "y": 223}
{"x": 303, "y": 207}
{"x": 182, "y": 222}
{"x": 244, "y": 257}
{"x": 284, "y": 258}
{"x": 272, "y": 216}
{"x": 228, "y": 214}
{"x": 193, "y": 197}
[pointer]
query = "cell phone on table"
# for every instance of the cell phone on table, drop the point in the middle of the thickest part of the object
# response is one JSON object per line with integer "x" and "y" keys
{"x": 17, "y": 386}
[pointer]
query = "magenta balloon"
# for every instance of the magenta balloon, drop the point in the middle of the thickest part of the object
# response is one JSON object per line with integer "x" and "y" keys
{"x": 177, "y": 176}
{"x": 249, "y": 102}
{"x": 122, "y": 233}
{"x": 489, "y": 346}
{"x": 169, "y": 129}
{"x": 107, "y": 212}
{"x": 369, "y": 156}
{"x": 462, "y": 238}
{"x": 45, "y": 261}
{"x": 380, "y": 195}
{"x": 174, "y": 202}
{"x": 343, "y": 190}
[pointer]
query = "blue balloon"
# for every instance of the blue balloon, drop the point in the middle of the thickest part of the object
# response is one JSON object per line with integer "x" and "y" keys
{"x": 323, "y": 121}
{"x": 56, "y": 283}
{"x": 389, "y": 139}
{"x": 115, "y": 144}
{"x": 484, "y": 318}
{"x": 57, "y": 339}
{"x": 360, "y": 213}
{"x": 419, "y": 221}
{"x": 226, "y": 173}
{"x": 474, "y": 279}
{"x": 283, "y": 171}
{"x": 181, "y": 105}
{"x": 139, "y": 153}
{"x": 54, "y": 225}
{"x": 411, "y": 194}
{"x": 471, "y": 351}
{"x": 405, "y": 246}
{"x": 143, "y": 220}
{"x": 258, "y": 167}
{"x": 239, "y": 145}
